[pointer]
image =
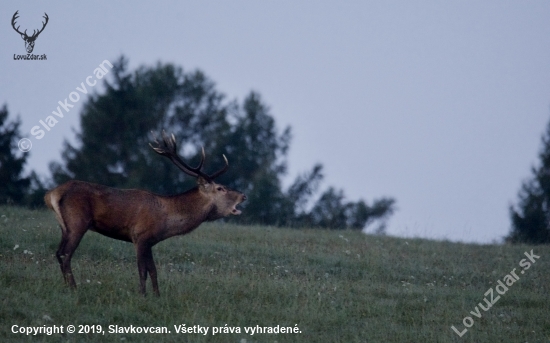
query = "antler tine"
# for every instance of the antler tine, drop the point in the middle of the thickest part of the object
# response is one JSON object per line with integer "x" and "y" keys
{"x": 221, "y": 171}
{"x": 158, "y": 149}
{"x": 203, "y": 157}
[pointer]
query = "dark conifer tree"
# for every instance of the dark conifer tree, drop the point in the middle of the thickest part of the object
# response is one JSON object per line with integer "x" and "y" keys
{"x": 13, "y": 185}
{"x": 531, "y": 216}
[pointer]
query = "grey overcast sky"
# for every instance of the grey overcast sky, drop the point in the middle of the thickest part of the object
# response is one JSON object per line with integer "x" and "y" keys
{"x": 440, "y": 104}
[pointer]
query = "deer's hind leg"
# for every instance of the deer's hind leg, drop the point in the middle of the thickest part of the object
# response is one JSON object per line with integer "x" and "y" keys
{"x": 67, "y": 246}
{"x": 73, "y": 227}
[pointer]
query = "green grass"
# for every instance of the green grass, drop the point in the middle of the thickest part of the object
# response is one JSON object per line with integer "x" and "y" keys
{"x": 337, "y": 286}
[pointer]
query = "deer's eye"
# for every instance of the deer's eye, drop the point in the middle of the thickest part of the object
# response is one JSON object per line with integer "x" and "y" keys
{"x": 220, "y": 189}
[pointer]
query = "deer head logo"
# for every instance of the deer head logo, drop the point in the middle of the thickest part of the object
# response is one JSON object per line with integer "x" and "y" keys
{"x": 29, "y": 40}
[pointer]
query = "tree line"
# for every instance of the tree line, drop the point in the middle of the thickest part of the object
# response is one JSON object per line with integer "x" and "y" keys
{"x": 112, "y": 149}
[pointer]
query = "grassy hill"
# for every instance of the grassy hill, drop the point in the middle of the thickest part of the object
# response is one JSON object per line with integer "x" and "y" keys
{"x": 333, "y": 286}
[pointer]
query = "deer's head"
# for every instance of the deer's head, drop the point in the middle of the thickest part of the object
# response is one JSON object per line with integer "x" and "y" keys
{"x": 223, "y": 200}
{"x": 29, "y": 40}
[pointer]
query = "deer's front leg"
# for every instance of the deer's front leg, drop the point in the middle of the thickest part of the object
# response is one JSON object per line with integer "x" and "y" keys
{"x": 142, "y": 251}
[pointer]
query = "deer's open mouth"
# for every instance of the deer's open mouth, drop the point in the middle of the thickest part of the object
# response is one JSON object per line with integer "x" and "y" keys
{"x": 235, "y": 211}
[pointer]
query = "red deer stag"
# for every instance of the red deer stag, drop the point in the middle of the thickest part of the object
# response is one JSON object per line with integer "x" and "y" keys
{"x": 137, "y": 216}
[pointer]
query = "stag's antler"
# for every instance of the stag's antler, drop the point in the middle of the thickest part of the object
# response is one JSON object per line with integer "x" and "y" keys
{"x": 221, "y": 171}
{"x": 168, "y": 148}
